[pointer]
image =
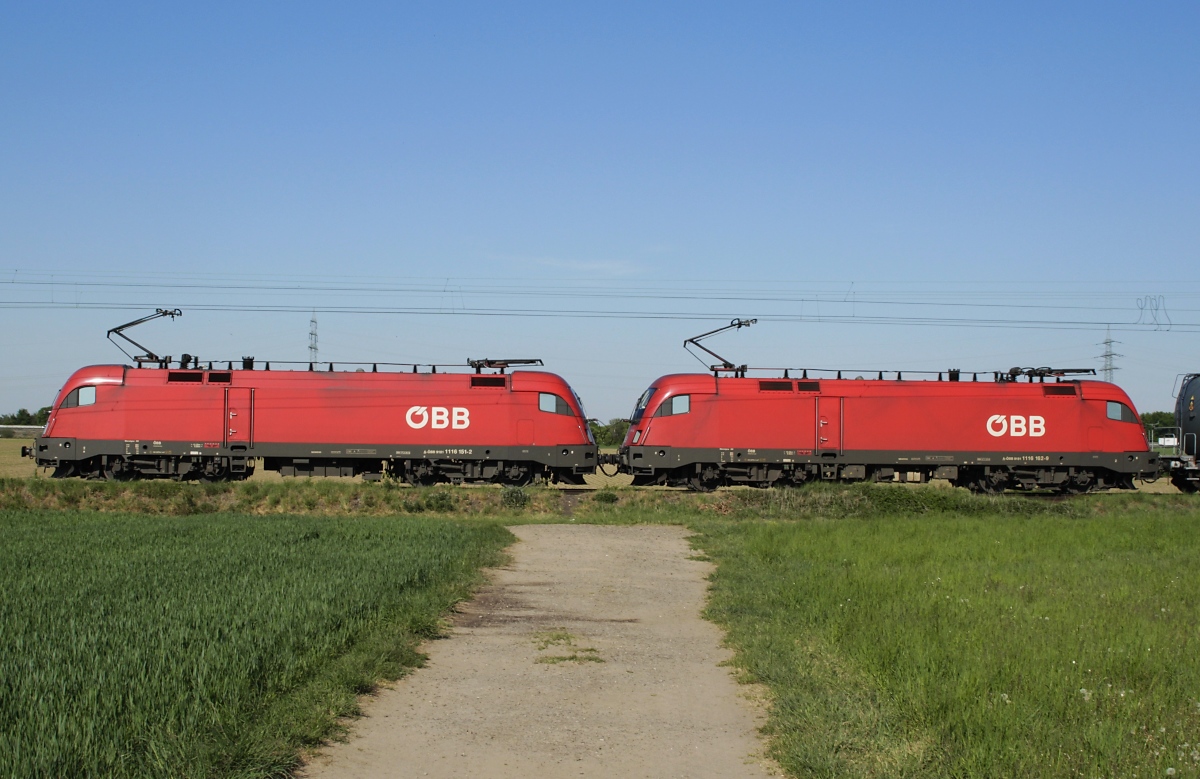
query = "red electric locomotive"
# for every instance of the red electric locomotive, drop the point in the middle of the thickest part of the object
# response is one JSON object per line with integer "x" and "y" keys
{"x": 1016, "y": 431}
{"x": 117, "y": 422}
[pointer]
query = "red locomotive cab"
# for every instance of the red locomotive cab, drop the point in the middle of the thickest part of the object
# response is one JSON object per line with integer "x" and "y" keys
{"x": 638, "y": 420}
{"x": 670, "y": 407}
{"x": 551, "y": 414}
{"x": 1112, "y": 422}
{"x": 84, "y": 406}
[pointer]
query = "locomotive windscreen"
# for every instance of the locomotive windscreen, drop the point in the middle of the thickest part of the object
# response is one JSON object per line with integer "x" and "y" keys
{"x": 640, "y": 408}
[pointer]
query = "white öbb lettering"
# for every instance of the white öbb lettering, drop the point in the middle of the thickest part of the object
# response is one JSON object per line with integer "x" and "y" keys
{"x": 438, "y": 417}
{"x": 1016, "y": 426}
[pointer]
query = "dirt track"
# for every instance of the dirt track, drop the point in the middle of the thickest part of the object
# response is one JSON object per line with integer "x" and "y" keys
{"x": 586, "y": 657}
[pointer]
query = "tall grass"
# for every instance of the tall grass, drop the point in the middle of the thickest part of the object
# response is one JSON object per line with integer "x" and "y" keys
{"x": 324, "y": 497}
{"x": 336, "y": 497}
{"x": 822, "y": 501}
{"x": 215, "y": 646}
{"x": 991, "y": 644}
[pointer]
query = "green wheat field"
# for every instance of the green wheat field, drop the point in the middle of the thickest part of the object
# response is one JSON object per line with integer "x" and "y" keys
{"x": 136, "y": 646}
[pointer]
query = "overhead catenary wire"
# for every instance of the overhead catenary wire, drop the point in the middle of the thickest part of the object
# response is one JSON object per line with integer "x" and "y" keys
{"x": 693, "y": 316}
{"x": 966, "y": 299}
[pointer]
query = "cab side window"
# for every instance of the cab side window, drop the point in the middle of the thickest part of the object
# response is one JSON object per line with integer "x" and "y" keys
{"x": 1120, "y": 412}
{"x": 80, "y": 396}
{"x": 553, "y": 404}
{"x": 680, "y": 404}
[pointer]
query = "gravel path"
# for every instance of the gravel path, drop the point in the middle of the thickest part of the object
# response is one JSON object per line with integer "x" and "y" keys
{"x": 586, "y": 657}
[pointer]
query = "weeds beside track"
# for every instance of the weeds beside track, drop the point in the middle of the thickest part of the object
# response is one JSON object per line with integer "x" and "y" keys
{"x": 335, "y": 497}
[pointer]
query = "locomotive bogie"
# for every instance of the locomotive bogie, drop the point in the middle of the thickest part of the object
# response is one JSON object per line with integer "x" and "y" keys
{"x": 119, "y": 467}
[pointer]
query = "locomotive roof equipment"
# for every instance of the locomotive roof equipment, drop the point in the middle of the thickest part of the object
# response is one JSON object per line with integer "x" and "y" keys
{"x": 954, "y": 374}
{"x": 479, "y": 365}
{"x": 726, "y": 365}
{"x": 149, "y": 356}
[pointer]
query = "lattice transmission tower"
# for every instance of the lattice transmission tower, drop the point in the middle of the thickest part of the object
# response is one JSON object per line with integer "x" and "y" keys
{"x": 1109, "y": 368}
{"x": 312, "y": 338}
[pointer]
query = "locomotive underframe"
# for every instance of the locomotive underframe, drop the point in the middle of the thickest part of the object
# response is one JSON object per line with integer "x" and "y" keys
{"x": 183, "y": 461}
{"x": 704, "y": 469}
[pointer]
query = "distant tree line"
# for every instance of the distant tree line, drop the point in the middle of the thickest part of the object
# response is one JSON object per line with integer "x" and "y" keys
{"x": 23, "y": 417}
{"x": 1153, "y": 419}
{"x": 611, "y": 434}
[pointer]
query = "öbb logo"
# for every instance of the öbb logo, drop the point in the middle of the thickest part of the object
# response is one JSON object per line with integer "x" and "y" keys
{"x": 438, "y": 417}
{"x": 1016, "y": 426}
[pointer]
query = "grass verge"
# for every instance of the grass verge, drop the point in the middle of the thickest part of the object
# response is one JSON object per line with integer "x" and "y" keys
{"x": 900, "y": 631}
{"x": 987, "y": 644}
{"x": 216, "y": 646}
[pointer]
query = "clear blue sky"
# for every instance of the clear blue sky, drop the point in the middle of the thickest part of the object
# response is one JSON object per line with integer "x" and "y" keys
{"x": 1033, "y": 162}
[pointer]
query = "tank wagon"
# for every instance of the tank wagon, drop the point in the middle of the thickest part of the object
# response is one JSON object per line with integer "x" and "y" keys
{"x": 1181, "y": 442}
{"x": 121, "y": 422}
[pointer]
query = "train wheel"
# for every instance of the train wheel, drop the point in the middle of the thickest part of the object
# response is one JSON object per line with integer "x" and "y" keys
{"x": 1081, "y": 482}
{"x": 516, "y": 476}
{"x": 706, "y": 480}
{"x": 421, "y": 474}
{"x": 988, "y": 484}
{"x": 116, "y": 471}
